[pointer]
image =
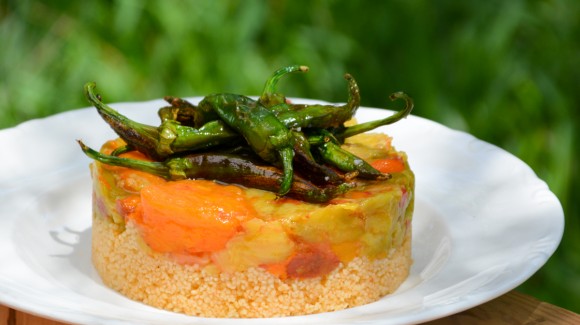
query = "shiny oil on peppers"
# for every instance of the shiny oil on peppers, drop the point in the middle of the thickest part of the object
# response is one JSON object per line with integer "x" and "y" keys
{"x": 313, "y": 115}
{"x": 160, "y": 142}
{"x": 264, "y": 133}
{"x": 226, "y": 167}
{"x": 290, "y": 149}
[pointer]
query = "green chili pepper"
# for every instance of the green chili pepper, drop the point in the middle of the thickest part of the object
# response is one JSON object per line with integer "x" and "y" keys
{"x": 125, "y": 128}
{"x": 206, "y": 106}
{"x": 148, "y": 136}
{"x": 211, "y": 134}
{"x": 161, "y": 142}
{"x": 304, "y": 162}
{"x": 333, "y": 154}
{"x": 188, "y": 114}
{"x": 180, "y": 110}
{"x": 319, "y": 115}
{"x": 265, "y": 134}
{"x": 330, "y": 151}
{"x": 228, "y": 168}
{"x": 343, "y": 132}
{"x": 300, "y": 115}
{"x": 295, "y": 115}
{"x": 174, "y": 137}
{"x": 271, "y": 127}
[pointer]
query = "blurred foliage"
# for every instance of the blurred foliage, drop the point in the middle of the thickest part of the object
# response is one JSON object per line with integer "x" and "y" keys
{"x": 506, "y": 71}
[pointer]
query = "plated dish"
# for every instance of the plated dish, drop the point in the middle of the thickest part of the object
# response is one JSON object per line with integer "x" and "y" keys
{"x": 483, "y": 224}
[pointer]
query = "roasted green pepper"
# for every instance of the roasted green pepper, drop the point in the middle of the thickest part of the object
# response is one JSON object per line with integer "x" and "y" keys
{"x": 270, "y": 129}
{"x": 160, "y": 142}
{"x": 264, "y": 133}
{"x": 225, "y": 167}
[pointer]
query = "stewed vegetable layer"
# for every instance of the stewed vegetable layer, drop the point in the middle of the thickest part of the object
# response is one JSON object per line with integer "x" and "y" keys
{"x": 233, "y": 228}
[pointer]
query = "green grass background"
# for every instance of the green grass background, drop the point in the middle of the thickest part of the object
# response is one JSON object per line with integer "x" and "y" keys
{"x": 506, "y": 71}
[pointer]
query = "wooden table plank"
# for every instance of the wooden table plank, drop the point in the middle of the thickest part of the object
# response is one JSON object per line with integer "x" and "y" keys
{"x": 511, "y": 308}
{"x": 14, "y": 317}
{"x": 4, "y": 314}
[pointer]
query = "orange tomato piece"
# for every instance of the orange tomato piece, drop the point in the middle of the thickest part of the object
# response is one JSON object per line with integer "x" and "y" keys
{"x": 133, "y": 181}
{"x": 130, "y": 207}
{"x": 278, "y": 269}
{"x": 389, "y": 165}
{"x": 312, "y": 260}
{"x": 192, "y": 216}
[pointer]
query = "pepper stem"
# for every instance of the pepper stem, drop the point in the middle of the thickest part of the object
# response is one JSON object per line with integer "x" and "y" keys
{"x": 368, "y": 126}
{"x": 269, "y": 96}
{"x": 155, "y": 168}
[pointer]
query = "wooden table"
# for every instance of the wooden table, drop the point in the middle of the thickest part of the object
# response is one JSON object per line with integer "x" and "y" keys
{"x": 511, "y": 308}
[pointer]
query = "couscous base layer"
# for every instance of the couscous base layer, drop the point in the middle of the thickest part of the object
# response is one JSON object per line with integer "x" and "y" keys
{"x": 127, "y": 265}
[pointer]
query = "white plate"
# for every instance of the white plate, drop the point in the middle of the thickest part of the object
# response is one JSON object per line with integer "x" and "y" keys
{"x": 484, "y": 223}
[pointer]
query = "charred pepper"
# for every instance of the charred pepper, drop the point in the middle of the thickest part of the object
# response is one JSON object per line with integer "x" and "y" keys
{"x": 224, "y": 167}
{"x": 264, "y": 133}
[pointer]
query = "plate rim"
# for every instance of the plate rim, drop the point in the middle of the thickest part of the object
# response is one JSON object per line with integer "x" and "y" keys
{"x": 458, "y": 307}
